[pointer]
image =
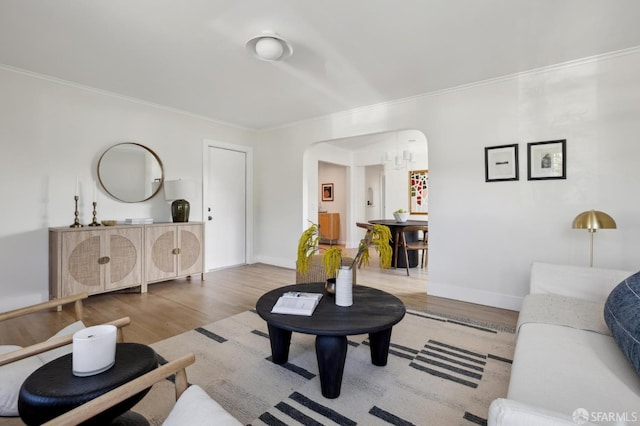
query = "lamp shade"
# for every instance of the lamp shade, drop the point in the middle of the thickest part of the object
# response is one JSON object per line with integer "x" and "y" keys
{"x": 593, "y": 220}
{"x": 178, "y": 189}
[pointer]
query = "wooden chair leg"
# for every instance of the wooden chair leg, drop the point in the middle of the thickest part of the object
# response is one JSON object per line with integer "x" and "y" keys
{"x": 406, "y": 253}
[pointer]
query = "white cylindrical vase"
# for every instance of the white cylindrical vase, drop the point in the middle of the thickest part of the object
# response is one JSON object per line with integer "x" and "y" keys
{"x": 344, "y": 287}
{"x": 94, "y": 350}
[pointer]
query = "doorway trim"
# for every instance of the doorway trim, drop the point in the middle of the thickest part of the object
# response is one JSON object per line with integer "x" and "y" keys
{"x": 310, "y": 185}
{"x": 248, "y": 151}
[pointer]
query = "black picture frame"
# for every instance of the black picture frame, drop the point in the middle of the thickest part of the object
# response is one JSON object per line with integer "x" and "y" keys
{"x": 501, "y": 163}
{"x": 547, "y": 160}
{"x": 327, "y": 192}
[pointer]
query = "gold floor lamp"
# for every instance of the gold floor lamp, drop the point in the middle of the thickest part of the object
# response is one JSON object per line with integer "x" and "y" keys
{"x": 593, "y": 220}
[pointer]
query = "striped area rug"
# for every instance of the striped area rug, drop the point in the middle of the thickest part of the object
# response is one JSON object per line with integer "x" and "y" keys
{"x": 441, "y": 371}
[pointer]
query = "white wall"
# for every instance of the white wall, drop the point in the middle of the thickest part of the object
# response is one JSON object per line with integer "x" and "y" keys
{"x": 484, "y": 236}
{"x": 49, "y": 134}
{"x": 336, "y": 174}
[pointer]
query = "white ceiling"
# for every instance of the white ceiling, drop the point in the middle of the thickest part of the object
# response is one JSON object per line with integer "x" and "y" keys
{"x": 190, "y": 54}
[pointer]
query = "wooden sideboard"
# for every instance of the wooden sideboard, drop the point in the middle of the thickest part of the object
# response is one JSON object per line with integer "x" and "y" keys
{"x": 329, "y": 226}
{"x": 107, "y": 258}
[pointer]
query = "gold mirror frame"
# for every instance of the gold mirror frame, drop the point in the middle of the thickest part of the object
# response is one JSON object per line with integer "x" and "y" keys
{"x": 130, "y": 172}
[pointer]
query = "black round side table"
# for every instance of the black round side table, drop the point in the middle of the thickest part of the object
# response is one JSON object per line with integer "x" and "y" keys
{"x": 52, "y": 390}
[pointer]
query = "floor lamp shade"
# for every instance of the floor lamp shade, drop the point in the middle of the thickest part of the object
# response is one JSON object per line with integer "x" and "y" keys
{"x": 593, "y": 220}
{"x": 178, "y": 191}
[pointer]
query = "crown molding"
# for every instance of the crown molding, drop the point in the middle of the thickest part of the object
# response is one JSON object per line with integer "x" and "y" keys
{"x": 462, "y": 87}
{"x": 118, "y": 96}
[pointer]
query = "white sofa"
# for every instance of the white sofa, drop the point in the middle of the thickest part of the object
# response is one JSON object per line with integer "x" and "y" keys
{"x": 567, "y": 368}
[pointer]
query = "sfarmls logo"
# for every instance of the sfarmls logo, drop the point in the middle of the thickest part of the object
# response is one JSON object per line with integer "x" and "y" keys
{"x": 581, "y": 416}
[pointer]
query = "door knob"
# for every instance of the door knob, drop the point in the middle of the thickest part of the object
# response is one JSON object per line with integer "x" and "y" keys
{"x": 210, "y": 218}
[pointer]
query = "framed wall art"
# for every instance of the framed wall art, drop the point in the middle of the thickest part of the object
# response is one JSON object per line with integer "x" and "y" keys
{"x": 418, "y": 191}
{"x": 547, "y": 160}
{"x": 327, "y": 192}
{"x": 501, "y": 163}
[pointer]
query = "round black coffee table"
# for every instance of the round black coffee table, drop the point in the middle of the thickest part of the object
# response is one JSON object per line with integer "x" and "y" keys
{"x": 52, "y": 389}
{"x": 373, "y": 311}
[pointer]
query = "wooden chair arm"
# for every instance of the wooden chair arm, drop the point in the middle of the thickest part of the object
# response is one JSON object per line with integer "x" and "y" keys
{"x": 54, "y": 343}
{"x": 119, "y": 394}
{"x": 77, "y": 298}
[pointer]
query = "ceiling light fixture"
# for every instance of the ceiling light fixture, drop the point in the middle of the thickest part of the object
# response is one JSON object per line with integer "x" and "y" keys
{"x": 269, "y": 47}
{"x": 402, "y": 159}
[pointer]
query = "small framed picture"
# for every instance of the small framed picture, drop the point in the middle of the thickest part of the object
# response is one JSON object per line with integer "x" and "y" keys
{"x": 501, "y": 163}
{"x": 327, "y": 192}
{"x": 547, "y": 160}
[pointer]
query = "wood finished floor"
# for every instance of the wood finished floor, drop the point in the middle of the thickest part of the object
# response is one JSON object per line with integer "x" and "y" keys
{"x": 172, "y": 307}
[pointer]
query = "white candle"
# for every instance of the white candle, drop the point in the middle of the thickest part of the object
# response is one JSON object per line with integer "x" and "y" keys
{"x": 76, "y": 186}
{"x": 93, "y": 350}
{"x": 95, "y": 192}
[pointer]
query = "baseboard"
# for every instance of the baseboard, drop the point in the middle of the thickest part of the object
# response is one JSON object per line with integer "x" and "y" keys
{"x": 10, "y": 302}
{"x": 472, "y": 295}
{"x": 275, "y": 261}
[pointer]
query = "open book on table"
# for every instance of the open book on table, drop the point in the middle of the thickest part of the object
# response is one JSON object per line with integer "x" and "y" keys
{"x": 297, "y": 303}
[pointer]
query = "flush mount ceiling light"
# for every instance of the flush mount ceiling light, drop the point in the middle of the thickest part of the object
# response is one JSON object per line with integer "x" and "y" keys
{"x": 269, "y": 47}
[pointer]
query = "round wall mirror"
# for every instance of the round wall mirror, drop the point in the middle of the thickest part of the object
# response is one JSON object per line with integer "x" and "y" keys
{"x": 130, "y": 172}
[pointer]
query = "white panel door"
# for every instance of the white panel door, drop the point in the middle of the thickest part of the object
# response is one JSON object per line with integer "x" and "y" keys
{"x": 226, "y": 208}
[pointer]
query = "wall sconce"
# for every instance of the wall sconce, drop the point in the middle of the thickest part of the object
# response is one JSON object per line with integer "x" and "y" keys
{"x": 593, "y": 220}
{"x": 177, "y": 191}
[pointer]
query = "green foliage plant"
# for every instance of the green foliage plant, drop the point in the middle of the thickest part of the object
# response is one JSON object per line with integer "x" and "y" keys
{"x": 307, "y": 247}
{"x": 378, "y": 236}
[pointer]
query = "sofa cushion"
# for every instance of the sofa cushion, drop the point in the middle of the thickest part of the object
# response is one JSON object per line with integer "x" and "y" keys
{"x": 195, "y": 407}
{"x": 622, "y": 315}
{"x": 562, "y": 369}
{"x": 592, "y": 284}
{"x": 58, "y": 352}
{"x": 13, "y": 375}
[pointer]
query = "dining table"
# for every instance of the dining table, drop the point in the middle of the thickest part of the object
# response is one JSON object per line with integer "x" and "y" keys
{"x": 397, "y": 227}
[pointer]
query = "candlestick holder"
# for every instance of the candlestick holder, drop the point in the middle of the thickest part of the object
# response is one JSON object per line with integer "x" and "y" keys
{"x": 76, "y": 222}
{"x": 95, "y": 221}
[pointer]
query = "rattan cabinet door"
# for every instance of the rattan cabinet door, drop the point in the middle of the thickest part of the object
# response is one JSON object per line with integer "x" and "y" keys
{"x": 161, "y": 244}
{"x": 80, "y": 262}
{"x": 190, "y": 259}
{"x": 124, "y": 250}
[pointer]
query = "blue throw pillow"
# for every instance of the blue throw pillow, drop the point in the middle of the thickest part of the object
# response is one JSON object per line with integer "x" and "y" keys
{"x": 622, "y": 315}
